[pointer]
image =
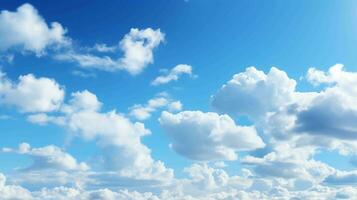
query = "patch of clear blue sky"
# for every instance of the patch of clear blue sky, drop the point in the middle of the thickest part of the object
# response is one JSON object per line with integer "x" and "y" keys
{"x": 218, "y": 38}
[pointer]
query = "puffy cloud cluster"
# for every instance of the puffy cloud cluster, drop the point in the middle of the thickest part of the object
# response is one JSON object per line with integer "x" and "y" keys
{"x": 26, "y": 29}
{"x": 307, "y": 120}
{"x": 208, "y": 136}
{"x": 272, "y": 102}
{"x": 173, "y": 75}
{"x": 118, "y": 138}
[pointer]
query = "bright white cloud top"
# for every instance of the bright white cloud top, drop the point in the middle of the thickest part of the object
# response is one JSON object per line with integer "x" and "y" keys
{"x": 31, "y": 94}
{"x": 26, "y": 29}
{"x": 261, "y": 134}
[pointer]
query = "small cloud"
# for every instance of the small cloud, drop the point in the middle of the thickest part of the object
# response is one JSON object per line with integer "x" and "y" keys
{"x": 173, "y": 75}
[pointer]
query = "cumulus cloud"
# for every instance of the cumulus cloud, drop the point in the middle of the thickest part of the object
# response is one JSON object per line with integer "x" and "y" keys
{"x": 119, "y": 139}
{"x": 173, "y": 75}
{"x": 208, "y": 136}
{"x": 13, "y": 192}
{"x": 25, "y": 28}
{"x": 281, "y": 167}
{"x": 137, "y": 47}
{"x": 31, "y": 94}
{"x": 48, "y": 157}
{"x": 333, "y": 111}
{"x": 254, "y": 93}
{"x": 273, "y": 104}
{"x": 293, "y": 164}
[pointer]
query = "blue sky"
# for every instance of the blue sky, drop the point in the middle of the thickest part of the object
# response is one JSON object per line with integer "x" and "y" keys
{"x": 173, "y": 99}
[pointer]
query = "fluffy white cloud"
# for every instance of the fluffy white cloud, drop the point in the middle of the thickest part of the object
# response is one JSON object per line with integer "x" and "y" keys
{"x": 143, "y": 112}
{"x": 273, "y": 104}
{"x": 267, "y": 99}
{"x": 137, "y": 47}
{"x": 294, "y": 165}
{"x": 208, "y": 136}
{"x": 173, "y": 75}
{"x": 254, "y": 93}
{"x": 48, "y": 157}
{"x": 84, "y": 100}
{"x": 12, "y": 192}
{"x": 26, "y": 29}
{"x": 119, "y": 139}
{"x": 333, "y": 112}
{"x": 31, "y": 94}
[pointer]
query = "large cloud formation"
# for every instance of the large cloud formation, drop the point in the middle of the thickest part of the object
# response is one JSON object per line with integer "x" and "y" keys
{"x": 272, "y": 101}
{"x": 281, "y": 170}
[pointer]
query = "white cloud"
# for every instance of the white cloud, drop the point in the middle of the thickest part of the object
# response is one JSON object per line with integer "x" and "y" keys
{"x": 207, "y": 178}
{"x": 118, "y": 138}
{"x": 294, "y": 165}
{"x": 26, "y": 29}
{"x": 84, "y": 100}
{"x": 208, "y": 136}
{"x": 31, "y": 94}
{"x": 254, "y": 93}
{"x": 49, "y": 157}
{"x": 143, "y": 112}
{"x": 13, "y": 192}
{"x": 333, "y": 110}
{"x": 273, "y": 104}
{"x": 317, "y": 77}
{"x": 173, "y": 75}
{"x": 137, "y": 47}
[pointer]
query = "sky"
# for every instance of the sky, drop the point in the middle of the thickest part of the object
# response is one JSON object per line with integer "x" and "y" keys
{"x": 178, "y": 99}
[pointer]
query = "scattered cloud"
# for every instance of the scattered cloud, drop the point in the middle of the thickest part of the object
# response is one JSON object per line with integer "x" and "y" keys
{"x": 143, "y": 112}
{"x": 137, "y": 48}
{"x": 173, "y": 75}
